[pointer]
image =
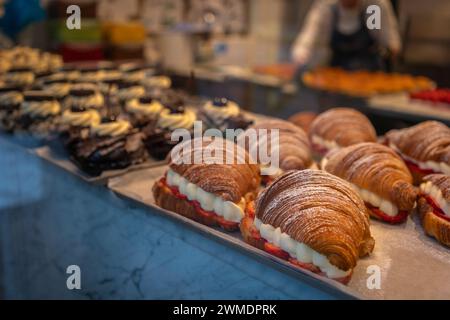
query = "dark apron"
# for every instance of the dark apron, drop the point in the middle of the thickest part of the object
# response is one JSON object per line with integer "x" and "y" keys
{"x": 355, "y": 51}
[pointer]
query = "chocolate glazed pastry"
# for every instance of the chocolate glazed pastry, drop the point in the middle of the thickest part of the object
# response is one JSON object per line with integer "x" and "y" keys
{"x": 209, "y": 192}
{"x": 340, "y": 127}
{"x": 112, "y": 145}
{"x": 424, "y": 147}
{"x": 11, "y": 98}
{"x": 379, "y": 175}
{"x": 434, "y": 207}
{"x": 158, "y": 134}
{"x": 314, "y": 220}
{"x": 223, "y": 114}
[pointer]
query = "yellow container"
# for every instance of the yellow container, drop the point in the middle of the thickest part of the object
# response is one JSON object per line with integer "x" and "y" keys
{"x": 124, "y": 33}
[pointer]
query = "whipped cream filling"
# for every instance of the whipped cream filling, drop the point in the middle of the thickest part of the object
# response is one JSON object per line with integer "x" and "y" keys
{"x": 93, "y": 101}
{"x": 219, "y": 113}
{"x": 11, "y": 98}
{"x": 373, "y": 199}
{"x": 41, "y": 108}
{"x": 329, "y": 145}
{"x": 112, "y": 129}
{"x": 298, "y": 250}
{"x": 174, "y": 121}
{"x": 209, "y": 202}
{"x": 437, "y": 167}
{"x": 435, "y": 193}
{"x": 148, "y": 109}
{"x": 162, "y": 82}
{"x": 125, "y": 94}
{"x": 81, "y": 119}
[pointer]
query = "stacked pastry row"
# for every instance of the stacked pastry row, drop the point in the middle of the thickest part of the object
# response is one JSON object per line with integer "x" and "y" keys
{"x": 315, "y": 219}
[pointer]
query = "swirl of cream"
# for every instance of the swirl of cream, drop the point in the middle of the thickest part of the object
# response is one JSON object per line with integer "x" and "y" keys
{"x": 112, "y": 129}
{"x": 58, "y": 89}
{"x": 11, "y": 98}
{"x": 163, "y": 82}
{"x": 129, "y": 93}
{"x": 41, "y": 108}
{"x": 174, "y": 121}
{"x": 95, "y": 101}
{"x": 87, "y": 118}
{"x": 148, "y": 109}
{"x": 231, "y": 109}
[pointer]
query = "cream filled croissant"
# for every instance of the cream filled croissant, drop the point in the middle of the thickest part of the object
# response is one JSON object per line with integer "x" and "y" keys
{"x": 434, "y": 207}
{"x": 207, "y": 190}
{"x": 425, "y": 148}
{"x": 294, "y": 152}
{"x": 379, "y": 175}
{"x": 314, "y": 220}
{"x": 340, "y": 127}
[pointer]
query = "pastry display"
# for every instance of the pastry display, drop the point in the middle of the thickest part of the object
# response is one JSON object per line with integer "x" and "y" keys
{"x": 39, "y": 113}
{"x": 158, "y": 134}
{"x": 425, "y": 148}
{"x": 210, "y": 193}
{"x": 84, "y": 96}
{"x": 223, "y": 114}
{"x": 312, "y": 219}
{"x": 22, "y": 77}
{"x": 143, "y": 110}
{"x": 434, "y": 207}
{"x": 380, "y": 177}
{"x": 128, "y": 90}
{"x": 340, "y": 127}
{"x": 11, "y": 98}
{"x": 364, "y": 83}
{"x": 292, "y": 146}
{"x": 303, "y": 119}
{"x": 112, "y": 144}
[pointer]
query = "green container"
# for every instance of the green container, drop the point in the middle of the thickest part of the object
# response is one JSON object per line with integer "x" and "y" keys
{"x": 90, "y": 31}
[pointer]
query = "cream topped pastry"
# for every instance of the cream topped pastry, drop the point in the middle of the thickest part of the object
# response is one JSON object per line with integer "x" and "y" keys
{"x": 128, "y": 90}
{"x": 19, "y": 76}
{"x": 162, "y": 82}
{"x": 10, "y": 97}
{"x": 87, "y": 118}
{"x": 221, "y": 108}
{"x": 84, "y": 96}
{"x": 39, "y": 104}
{"x": 59, "y": 88}
{"x": 434, "y": 207}
{"x": 146, "y": 106}
{"x": 111, "y": 129}
{"x": 176, "y": 118}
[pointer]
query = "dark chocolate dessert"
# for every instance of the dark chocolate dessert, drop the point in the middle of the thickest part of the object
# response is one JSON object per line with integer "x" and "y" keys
{"x": 223, "y": 114}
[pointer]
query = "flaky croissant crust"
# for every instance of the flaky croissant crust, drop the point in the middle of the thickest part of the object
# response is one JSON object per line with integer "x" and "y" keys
{"x": 345, "y": 126}
{"x": 429, "y": 140}
{"x": 320, "y": 210}
{"x": 294, "y": 148}
{"x": 231, "y": 182}
{"x": 376, "y": 168}
{"x": 441, "y": 181}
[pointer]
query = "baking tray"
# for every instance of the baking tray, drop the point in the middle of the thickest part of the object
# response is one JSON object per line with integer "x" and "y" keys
{"x": 411, "y": 265}
{"x": 55, "y": 154}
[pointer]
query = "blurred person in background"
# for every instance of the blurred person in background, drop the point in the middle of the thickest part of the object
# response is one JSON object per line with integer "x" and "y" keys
{"x": 336, "y": 32}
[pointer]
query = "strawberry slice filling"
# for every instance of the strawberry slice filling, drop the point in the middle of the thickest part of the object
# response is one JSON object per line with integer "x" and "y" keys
{"x": 415, "y": 168}
{"x": 206, "y": 214}
{"x": 280, "y": 253}
{"x": 436, "y": 209}
{"x": 399, "y": 218}
{"x": 322, "y": 150}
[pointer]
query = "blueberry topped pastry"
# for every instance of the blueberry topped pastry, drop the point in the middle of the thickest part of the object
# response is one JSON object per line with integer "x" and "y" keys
{"x": 84, "y": 96}
{"x": 143, "y": 110}
{"x": 112, "y": 144}
{"x": 39, "y": 112}
{"x": 222, "y": 114}
{"x": 157, "y": 135}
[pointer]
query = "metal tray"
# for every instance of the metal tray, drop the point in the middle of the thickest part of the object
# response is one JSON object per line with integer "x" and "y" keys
{"x": 411, "y": 265}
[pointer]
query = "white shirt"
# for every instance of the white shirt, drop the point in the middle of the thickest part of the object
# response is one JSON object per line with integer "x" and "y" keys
{"x": 312, "y": 44}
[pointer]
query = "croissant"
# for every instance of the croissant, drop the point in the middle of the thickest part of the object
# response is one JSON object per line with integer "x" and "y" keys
{"x": 424, "y": 147}
{"x": 434, "y": 207}
{"x": 312, "y": 219}
{"x": 379, "y": 175}
{"x": 201, "y": 187}
{"x": 292, "y": 144}
{"x": 303, "y": 119}
{"x": 340, "y": 127}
